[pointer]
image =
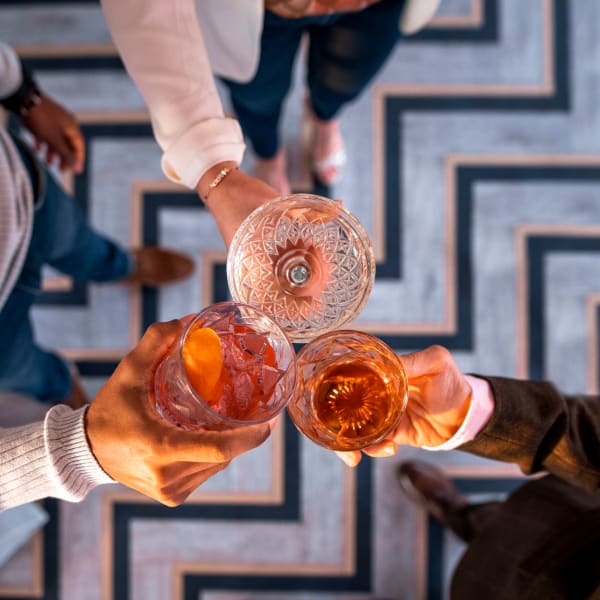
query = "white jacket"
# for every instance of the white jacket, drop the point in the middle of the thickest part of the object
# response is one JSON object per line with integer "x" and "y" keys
{"x": 171, "y": 49}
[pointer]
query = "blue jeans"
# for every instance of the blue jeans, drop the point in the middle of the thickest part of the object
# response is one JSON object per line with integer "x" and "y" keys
{"x": 345, "y": 52}
{"x": 61, "y": 238}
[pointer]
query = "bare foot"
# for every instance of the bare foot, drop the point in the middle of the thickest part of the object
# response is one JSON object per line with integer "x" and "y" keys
{"x": 273, "y": 172}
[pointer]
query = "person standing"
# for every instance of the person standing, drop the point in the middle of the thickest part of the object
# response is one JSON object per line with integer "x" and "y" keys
{"x": 41, "y": 224}
{"x": 544, "y": 540}
{"x": 173, "y": 51}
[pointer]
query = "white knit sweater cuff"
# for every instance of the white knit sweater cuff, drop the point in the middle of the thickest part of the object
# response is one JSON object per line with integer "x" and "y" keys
{"x": 74, "y": 467}
{"x": 49, "y": 458}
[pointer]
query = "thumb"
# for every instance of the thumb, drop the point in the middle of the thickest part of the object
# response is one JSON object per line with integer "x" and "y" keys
{"x": 155, "y": 343}
{"x": 425, "y": 362}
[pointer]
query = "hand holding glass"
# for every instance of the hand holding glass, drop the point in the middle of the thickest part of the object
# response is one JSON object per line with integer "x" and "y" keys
{"x": 233, "y": 366}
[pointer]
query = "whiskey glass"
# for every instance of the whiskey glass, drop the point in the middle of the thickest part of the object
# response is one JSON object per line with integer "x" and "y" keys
{"x": 304, "y": 260}
{"x": 231, "y": 366}
{"x": 351, "y": 391}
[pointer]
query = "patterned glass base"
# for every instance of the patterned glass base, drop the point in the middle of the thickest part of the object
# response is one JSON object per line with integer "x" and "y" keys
{"x": 305, "y": 261}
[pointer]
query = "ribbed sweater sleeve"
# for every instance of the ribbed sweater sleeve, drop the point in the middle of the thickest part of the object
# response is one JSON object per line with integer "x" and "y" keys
{"x": 49, "y": 458}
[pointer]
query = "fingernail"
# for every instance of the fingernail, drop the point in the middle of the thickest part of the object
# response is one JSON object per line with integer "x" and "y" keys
{"x": 389, "y": 449}
{"x": 347, "y": 458}
{"x": 272, "y": 423}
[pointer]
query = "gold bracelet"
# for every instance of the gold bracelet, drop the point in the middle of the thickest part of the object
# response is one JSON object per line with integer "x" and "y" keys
{"x": 217, "y": 180}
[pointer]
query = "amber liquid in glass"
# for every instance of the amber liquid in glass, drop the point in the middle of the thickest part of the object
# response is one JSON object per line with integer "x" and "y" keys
{"x": 352, "y": 400}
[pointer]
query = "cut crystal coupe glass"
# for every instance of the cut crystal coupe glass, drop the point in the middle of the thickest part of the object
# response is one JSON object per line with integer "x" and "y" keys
{"x": 304, "y": 260}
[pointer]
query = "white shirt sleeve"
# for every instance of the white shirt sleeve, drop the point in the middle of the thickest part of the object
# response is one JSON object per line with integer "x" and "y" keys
{"x": 11, "y": 76}
{"x": 161, "y": 44}
{"x": 48, "y": 458}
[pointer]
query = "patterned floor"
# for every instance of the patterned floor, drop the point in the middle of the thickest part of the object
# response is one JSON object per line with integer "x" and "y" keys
{"x": 477, "y": 176}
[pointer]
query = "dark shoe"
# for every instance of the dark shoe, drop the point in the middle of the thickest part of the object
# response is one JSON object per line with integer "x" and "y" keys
{"x": 156, "y": 266}
{"x": 429, "y": 487}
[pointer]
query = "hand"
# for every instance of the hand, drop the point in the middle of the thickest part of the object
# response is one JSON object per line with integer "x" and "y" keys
{"x": 136, "y": 447}
{"x": 54, "y": 126}
{"x": 234, "y": 198}
{"x": 438, "y": 401}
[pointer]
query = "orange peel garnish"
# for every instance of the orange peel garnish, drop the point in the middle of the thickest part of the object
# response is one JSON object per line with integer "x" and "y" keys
{"x": 203, "y": 361}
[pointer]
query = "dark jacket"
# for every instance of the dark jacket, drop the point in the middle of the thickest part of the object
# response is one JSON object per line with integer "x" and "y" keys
{"x": 544, "y": 542}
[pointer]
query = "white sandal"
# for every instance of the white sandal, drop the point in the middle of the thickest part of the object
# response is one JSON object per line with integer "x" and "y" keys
{"x": 321, "y": 168}
{"x": 334, "y": 161}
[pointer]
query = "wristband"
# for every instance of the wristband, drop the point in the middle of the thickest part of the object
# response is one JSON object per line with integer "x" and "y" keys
{"x": 25, "y": 98}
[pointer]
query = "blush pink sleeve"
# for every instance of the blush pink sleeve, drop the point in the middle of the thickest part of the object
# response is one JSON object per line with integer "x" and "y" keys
{"x": 479, "y": 413}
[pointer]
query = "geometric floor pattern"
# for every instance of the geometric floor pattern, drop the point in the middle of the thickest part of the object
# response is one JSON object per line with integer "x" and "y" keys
{"x": 474, "y": 164}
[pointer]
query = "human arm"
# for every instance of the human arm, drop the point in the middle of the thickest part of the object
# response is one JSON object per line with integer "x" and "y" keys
{"x": 120, "y": 437}
{"x": 541, "y": 429}
{"x": 163, "y": 49}
{"x": 49, "y": 122}
{"x": 234, "y": 198}
{"x": 530, "y": 423}
{"x": 439, "y": 397}
{"x": 136, "y": 447}
{"x": 47, "y": 458}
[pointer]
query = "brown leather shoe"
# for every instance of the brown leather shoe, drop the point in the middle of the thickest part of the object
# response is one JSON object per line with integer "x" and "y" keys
{"x": 428, "y": 486}
{"x": 156, "y": 266}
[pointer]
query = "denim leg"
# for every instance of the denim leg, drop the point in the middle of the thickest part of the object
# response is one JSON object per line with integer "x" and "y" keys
{"x": 258, "y": 103}
{"x": 62, "y": 238}
{"x": 24, "y": 366}
{"x": 345, "y": 55}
